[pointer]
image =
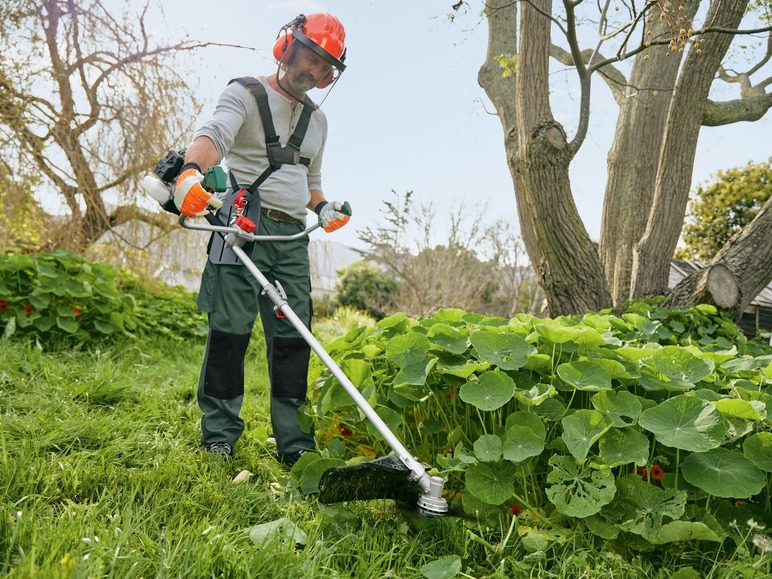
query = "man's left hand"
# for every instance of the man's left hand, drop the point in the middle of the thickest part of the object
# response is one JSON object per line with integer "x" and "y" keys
{"x": 333, "y": 214}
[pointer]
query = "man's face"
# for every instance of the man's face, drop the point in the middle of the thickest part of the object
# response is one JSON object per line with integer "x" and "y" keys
{"x": 305, "y": 69}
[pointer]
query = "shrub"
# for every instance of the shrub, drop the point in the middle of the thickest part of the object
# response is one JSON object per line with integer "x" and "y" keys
{"x": 648, "y": 427}
{"x": 61, "y": 299}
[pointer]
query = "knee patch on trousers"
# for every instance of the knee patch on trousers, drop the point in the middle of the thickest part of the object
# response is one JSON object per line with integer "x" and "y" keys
{"x": 224, "y": 373}
{"x": 289, "y": 374}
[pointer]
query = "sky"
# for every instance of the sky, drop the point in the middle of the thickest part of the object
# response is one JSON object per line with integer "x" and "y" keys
{"x": 408, "y": 113}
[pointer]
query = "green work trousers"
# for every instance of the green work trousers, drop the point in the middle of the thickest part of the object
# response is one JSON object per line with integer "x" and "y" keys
{"x": 233, "y": 298}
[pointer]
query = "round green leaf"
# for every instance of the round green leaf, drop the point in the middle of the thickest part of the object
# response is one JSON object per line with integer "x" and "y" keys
{"x": 679, "y": 364}
{"x": 68, "y": 325}
{"x": 618, "y": 405}
{"x": 448, "y": 338}
{"x": 623, "y": 446}
{"x": 758, "y": 449}
{"x": 555, "y": 332}
{"x": 578, "y": 491}
{"x": 487, "y": 448}
{"x": 521, "y": 443}
{"x": 507, "y": 351}
{"x": 492, "y": 390}
{"x": 442, "y": 568}
{"x": 407, "y": 350}
{"x": 492, "y": 483}
{"x": 744, "y": 409}
{"x": 527, "y": 419}
{"x": 585, "y": 375}
{"x": 723, "y": 473}
{"x": 685, "y": 422}
{"x": 582, "y": 428}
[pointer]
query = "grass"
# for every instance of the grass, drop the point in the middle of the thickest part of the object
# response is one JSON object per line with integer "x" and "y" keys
{"x": 101, "y": 476}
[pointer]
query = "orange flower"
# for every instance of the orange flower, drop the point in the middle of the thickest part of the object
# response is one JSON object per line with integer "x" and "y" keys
{"x": 642, "y": 473}
{"x": 657, "y": 472}
{"x": 345, "y": 431}
{"x": 515, "y": 510}
{"x": 28, "y": 309}
{"x": 77, "y": 311}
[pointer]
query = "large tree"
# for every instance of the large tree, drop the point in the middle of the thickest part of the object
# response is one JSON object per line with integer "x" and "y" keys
{"x": 88, "y": 101}
{"x": 660, "y": 71}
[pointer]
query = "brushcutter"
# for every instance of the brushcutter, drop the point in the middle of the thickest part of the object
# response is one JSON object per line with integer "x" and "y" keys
{"x": 400, "y": 477}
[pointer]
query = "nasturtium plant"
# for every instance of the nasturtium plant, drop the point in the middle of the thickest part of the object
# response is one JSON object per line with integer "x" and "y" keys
{"x": 577, "y": 490}
{"x": 491, "y": 482}
{"x": 679, "y": 364}
{"x": 685, "y": 422}
{"x": 758, "y": 449}
{"x": 620, "y": 446}
{"x": 642, "y": 508}
{"x": 491, "y": 391}
{"x": 723, "y": 473}
{"x": 585, "y": 375}
{"x": 613, "y": 420}
{"x": 623, "y": 407}
{"x": 507, "y": 351}
{"x": 582, "y": 429}
{"x": 488, "y": 447}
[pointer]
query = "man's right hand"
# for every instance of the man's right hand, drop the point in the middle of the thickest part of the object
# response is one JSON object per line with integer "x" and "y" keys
{"x": 190, "y": 197}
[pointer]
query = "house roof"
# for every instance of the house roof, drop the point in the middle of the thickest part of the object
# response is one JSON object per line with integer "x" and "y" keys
{"x": 681, "y": 268}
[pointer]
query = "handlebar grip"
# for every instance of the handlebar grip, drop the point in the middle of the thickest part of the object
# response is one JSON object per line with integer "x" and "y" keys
{"x": 346, "y": 209}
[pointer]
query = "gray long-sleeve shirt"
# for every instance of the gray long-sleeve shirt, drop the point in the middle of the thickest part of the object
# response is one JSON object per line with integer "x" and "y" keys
{"x": 237, "y": 133}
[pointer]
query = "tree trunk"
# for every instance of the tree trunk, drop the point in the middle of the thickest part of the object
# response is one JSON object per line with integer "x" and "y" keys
{"x": 736, "y": 275}
{"x": 634, "y": 155}
{"x": 568, "y": 266}
{"x": 501, "y": 89}
{"x": 651, "y": 260}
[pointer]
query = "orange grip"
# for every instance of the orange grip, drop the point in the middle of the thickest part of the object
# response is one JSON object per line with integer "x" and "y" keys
{"x": 196, "y": 201}
{"x": 337, "y": 224}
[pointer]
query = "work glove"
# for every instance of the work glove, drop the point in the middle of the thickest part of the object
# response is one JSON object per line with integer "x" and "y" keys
{"x": 190, "y": 197}
{"x": 333, "y": 214}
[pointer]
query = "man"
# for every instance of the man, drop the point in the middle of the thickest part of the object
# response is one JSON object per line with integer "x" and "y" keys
{"x": 277, "y": 170}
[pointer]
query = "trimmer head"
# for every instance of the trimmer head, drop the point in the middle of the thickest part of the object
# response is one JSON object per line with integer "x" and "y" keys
{"x": 382, "y": 478}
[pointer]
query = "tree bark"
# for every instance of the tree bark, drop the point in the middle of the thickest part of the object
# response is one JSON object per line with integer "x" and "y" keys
{"x": 567, "y": 265}
{"x": 651, "y": 260}
{"x": 634, "y": 155}
{"x": 736, "y": 275}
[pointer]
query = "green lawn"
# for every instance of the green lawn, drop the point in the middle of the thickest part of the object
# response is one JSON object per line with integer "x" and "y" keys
{"x": 101, "y": 476}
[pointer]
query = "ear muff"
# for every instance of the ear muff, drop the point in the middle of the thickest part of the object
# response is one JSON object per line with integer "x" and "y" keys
{"x": 327, "y": 80}
{"x": 281, "y": 45}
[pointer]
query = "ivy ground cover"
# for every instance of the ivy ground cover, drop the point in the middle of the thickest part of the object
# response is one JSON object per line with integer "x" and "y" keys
{"x": 649, "y": 427}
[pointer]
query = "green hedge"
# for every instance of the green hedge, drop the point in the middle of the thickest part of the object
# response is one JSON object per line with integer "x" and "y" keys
{"x": 60, "y": 299}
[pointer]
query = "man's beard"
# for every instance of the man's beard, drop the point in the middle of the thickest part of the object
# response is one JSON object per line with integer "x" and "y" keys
{"x": 300, "y": 83}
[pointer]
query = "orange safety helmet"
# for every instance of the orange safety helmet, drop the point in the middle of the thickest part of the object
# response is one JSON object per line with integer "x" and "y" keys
{"x": 322, "y": 33}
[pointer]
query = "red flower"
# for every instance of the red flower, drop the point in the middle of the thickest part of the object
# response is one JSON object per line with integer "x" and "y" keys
{"x": 515, "y": 510}
{"x": 3, "y": 305}
{"x": 657, "y": 472}
{"x": 642, "y": 473}
{"x": 28, "y": 309}
{"x": 345, "y": 431}
{"x": 77, "y": 311}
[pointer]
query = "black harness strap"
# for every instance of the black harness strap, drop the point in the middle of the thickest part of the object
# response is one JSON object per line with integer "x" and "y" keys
{"x": 277, "y": 155}
{"x": 219, "y": 251}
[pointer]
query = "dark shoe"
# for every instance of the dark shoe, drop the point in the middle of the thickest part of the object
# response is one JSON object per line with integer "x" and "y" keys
{"x": 222, "y": 448}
